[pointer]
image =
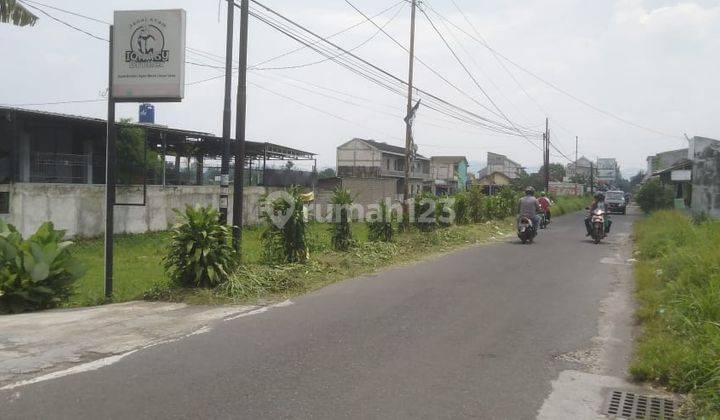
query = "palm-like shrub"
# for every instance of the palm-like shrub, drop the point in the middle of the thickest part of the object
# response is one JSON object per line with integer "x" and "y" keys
{"x": 461, "y": 207}
{"x": 380, "y": 228}
{"x": 340, "y": 230}
{"x": 200, "y": 252}
{"x": 287, "y": 242}
{"x": 444, "y": 210}
{"x": 475, "y": 204}
{"x": 36, "y": 273}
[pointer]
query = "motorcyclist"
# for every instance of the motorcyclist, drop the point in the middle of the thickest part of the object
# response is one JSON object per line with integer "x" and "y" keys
{"x": 529, "y": 207}
{"x": 597, "y": 203}
{"x": 545, "y": 204}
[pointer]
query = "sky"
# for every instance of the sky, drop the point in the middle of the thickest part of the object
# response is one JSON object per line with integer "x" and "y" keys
{"x": 648, "y": 69}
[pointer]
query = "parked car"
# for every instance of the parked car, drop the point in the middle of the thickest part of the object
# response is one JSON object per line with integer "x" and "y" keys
{"x": 615, "y": 202}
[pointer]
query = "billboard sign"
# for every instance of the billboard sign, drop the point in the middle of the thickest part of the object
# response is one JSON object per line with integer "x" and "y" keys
{"x": 148, "y": 55}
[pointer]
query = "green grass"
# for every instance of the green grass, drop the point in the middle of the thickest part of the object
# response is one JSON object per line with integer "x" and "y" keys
{"x": 138, "y": 258}
{"x": 678, "y": 286}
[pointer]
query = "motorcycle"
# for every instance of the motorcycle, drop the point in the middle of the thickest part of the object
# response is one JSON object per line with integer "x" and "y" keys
{"x": 543, "y": 220}
{"x": 597, "y": 225}
{"x": 526, "y": 230}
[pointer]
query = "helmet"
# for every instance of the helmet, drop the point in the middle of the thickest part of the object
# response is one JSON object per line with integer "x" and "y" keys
{"x": 542, "y": 193}
{"x": 529, "y": 190}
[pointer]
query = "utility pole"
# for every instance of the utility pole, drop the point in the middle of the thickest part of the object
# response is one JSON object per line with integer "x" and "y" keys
{"x": 227, "y": 116}
{"x": 239, "y": 185}
{"x": 592, "y": 178}
{"x": 408, "y": 120}
{"x": 575, "y": 164}
{"x": 546, "y": 155}
{"x": 110, "y": 140}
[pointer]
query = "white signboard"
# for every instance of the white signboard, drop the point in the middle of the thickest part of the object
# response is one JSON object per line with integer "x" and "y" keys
{"x": 149, "y": 55}
{"x": 681, "y": 175}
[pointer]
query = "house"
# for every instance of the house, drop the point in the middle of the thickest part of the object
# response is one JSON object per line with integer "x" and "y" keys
{"x": 449, "y": 173}
{"x": 362, "y": 158}
{"x": 52, "y": 168}
{"x": 696, "y": 177}
{"x": 581, "y": 167}
{"x": 664, "y": 160}
{"x": 500, "y": 163}
{"x": 493, "y": 182}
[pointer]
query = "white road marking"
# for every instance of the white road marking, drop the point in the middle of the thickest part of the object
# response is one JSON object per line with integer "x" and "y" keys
{"x": 85, "y": 367}
{"x": 261, "y": 310}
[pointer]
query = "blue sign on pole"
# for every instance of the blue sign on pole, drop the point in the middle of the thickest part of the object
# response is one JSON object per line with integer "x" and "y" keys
{"x": 147, "y": 114}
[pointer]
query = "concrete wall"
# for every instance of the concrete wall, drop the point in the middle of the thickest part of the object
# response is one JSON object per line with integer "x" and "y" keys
{"x": 705, "y": 154}
{"x": 80, "y": 208}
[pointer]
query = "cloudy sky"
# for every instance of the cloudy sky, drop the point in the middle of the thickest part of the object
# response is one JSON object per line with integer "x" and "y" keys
{"x": 652, "y": 64}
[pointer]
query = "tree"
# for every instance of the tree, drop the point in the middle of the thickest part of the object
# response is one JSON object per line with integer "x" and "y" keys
{"x": 134, "y": 159}
{"x": 654, "y": 196}
{"x": 557, "y": 172}
{"x": 636, "y": 179}
{"x": 16, "y": 14}
{"x": 327, "y": 173}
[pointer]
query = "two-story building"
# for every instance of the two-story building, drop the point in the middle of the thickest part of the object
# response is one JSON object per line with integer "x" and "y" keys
{"x": 449, "y": 173}
{"x": 502, "y": 164}
{"x": 581, "y": 167}
{"x": 362, "y": 158}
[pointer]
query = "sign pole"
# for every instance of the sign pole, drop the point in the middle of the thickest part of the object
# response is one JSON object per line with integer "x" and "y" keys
{"x": 109, "y": 176}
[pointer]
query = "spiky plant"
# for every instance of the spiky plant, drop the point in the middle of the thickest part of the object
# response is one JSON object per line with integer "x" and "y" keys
{"x": 285, "y": 243}
{"x": 340, "y": 229}
{"x": 380, "y": 229}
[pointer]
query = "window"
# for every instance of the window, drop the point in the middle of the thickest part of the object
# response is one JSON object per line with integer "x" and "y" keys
{"x": 4, "y": 202}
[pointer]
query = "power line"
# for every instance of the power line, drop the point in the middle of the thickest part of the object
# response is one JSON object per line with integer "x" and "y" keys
{"x": 464, "y": 67}
{"x": 78, "y": 101}
{"x": 63, "y": 22}
{"x": 358, "y": 46}
{"x": 554, "y": 86}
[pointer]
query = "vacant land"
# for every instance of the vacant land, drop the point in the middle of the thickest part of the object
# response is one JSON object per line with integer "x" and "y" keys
{"x": 678, "y": 278}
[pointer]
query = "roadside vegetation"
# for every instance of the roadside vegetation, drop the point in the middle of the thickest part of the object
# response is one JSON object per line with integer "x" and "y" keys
{"x": 194, "y": 261}
{"x": 678, "y": 286}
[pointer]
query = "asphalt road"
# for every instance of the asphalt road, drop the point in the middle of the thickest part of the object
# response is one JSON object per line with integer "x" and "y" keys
{"x": 474, "y": 333}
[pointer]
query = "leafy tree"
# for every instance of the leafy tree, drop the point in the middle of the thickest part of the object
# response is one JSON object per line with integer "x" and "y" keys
{"x": 132, "y": 164}
{"x": 636, "y": 179}
{"x": 16, "y": 14}
{"x": 475, "y": 204}
{"x": 327, "y": 173}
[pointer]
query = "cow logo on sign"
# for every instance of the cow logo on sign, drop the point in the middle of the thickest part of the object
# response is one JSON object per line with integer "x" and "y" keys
{"x": 147, "y": 44}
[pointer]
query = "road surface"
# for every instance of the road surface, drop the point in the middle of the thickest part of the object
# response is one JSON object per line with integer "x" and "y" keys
{"x": 477, "y": 333}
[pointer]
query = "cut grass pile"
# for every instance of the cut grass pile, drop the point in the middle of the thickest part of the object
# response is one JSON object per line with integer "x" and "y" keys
{"x": 678, "y": 286}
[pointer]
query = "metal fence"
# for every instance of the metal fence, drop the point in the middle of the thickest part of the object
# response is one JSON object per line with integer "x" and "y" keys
{"x": 59, "y": 167}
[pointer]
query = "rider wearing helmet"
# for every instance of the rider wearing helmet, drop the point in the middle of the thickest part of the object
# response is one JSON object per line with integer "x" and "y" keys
{"x": 597, "y": 203}
{"x": 545, "y": 204}
{"x": 529, "y": 207}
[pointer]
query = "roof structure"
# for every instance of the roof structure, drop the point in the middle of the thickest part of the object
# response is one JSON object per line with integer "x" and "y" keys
{"x": 388, "y": 148}
{"x": 207, "y": 143}
{"x": 448, "y": 159}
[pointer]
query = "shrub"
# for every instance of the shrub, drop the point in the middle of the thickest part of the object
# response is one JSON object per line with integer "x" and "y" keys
{"x": 200, "y": 252}
{"x": 258, "y": 280}
{"x": 425, "y": 218}
{"x": 380, "y": 229}
{"x": 653, "y": 195}
{"x": 475, "y": 204}
{"x": 444, "y": 210}
{"x": 461, "y": 207}
{"x": 340, "y": 230}
{"x": 36, "y": 273}
{"x": 286, "y": 243}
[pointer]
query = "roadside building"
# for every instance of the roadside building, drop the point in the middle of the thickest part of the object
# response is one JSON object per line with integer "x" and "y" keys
{"x": 449, "y": 174}
{"x": 664, "y": 160}
{"x": 607, "y": 170}
{"x": 501, "y": 163}
{"x": 696, "y": 177}
{"x": 370, "y": 159}
{"x": 53, "y": 168}
{"x": 582, "y": 167}
{"x": 493, "y": 182}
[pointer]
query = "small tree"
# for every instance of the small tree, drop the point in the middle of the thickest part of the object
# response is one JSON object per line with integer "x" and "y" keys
{"x": 653, "y": 195}
{"x": 381, "y": 227}
{"x": 200, "y": 252}
{"x": 462, "y": 208}
{"x": 285, "y": 242}
{"x": 340, "y": 230}
{"x": 475, "y": 204}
